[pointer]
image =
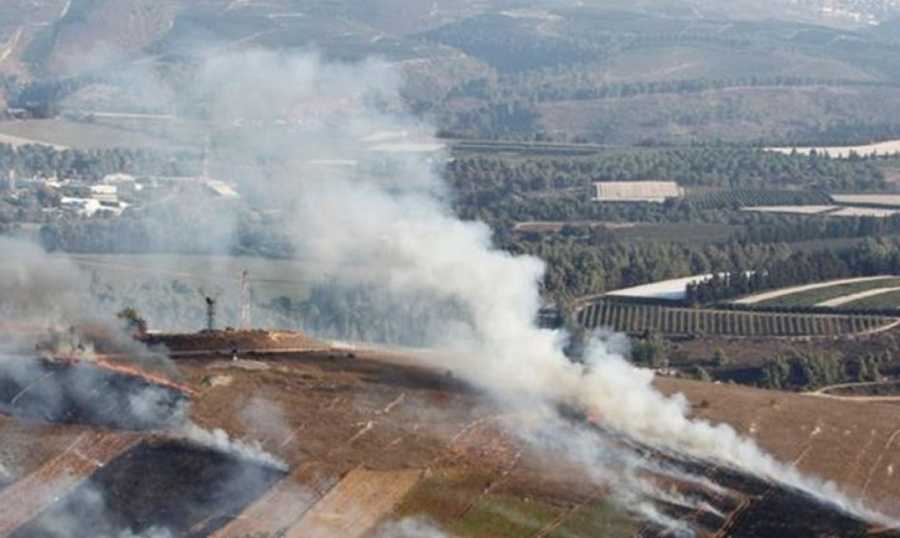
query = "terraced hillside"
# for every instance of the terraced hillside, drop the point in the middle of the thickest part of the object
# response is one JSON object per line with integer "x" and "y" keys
{"x": 637, "y": 319}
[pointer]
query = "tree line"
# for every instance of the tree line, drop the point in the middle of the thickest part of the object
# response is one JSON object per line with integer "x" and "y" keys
{"x": 872, "y": 257}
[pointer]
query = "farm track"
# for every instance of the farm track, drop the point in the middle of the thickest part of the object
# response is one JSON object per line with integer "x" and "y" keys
{"x": 356, "y": 504}
{"x": 28, "y": 497}
{"x": 281, "y": 508}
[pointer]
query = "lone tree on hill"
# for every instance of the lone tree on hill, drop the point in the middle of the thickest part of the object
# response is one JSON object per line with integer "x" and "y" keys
{"x": 134, "y": 322}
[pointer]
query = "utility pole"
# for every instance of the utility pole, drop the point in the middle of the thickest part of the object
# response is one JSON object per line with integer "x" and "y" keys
{"x": 245, "y": 301}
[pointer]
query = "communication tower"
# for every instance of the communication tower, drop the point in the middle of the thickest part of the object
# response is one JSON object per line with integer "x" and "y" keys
{"x": 245, "y": 301}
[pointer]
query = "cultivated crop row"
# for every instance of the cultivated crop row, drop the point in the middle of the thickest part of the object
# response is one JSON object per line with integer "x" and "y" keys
{"x": 640, "y": 318}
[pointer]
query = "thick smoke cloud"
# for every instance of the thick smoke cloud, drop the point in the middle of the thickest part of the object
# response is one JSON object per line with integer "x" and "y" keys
{"x": 328, "y": 148}
{"x": 385, "y": 220}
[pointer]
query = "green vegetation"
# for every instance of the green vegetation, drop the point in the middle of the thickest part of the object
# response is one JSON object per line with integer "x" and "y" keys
{"x": 809, "y": 371}
{"x": 503, "y": 516}
{"x": 596, "y": 519}
{"x": 457, "y": 501}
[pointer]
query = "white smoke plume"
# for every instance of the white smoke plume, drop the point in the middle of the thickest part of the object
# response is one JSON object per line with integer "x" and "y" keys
{"x": 306, "y": 140}
{"x": 219, "y": 440}
{"x": 385, "y": 220}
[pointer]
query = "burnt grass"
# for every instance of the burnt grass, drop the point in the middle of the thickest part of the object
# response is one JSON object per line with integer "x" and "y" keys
{"x": 157, "y": 485}
{"x": 770, "y": 509}
{"x": 753, "y": 507}
{"x": 81, "y": 393}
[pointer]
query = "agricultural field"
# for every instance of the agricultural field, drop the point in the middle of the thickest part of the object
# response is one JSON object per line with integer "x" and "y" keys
{"x": 885, "y": 300}
{"x": 856, "y": 297}
{"x": 827, "y": 295}
{"x": 638, "y": 319}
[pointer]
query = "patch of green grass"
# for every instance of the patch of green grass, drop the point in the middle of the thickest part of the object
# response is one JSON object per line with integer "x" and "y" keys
{"x": 454, "y": 501}
{"x": 601, "y": 519}
{"x": 502, "y": 516}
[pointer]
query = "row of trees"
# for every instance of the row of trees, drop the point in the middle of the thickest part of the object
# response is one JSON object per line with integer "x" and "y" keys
{"x": 811, "y": 370}
{"x": 46, "y": 161}
{"x": 873, "y": 257}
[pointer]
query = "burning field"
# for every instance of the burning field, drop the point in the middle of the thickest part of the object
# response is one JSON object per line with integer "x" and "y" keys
{"x": 373, "y": 444}
{"x": 489, "y": 429}
{"x": 87, "y": 392}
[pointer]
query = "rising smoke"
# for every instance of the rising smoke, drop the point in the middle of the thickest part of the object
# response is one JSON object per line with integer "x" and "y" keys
{"x": 306, "y": 141}
{"x": 381, "y": 217}
{"x": 43, "y": 294}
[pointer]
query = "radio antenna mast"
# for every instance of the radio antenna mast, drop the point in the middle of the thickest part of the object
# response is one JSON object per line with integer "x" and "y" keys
{"x": 245, "y": 301}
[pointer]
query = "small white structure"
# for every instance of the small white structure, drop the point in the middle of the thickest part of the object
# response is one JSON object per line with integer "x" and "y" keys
{"x": 636, "y": 191}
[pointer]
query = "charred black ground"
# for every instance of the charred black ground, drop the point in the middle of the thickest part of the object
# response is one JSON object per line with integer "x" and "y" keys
{"x": 750, "y": 507}
{"x": 82, "y": 393}
{"x": 160, "y": 484}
